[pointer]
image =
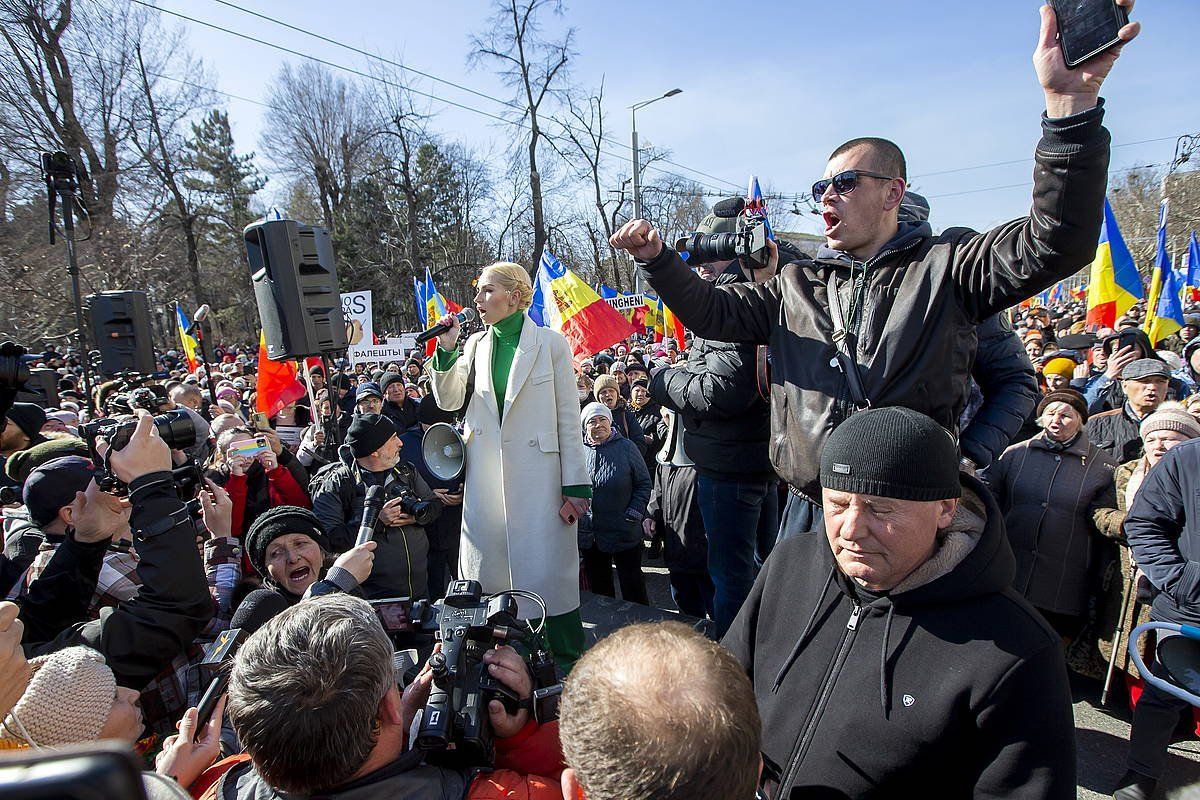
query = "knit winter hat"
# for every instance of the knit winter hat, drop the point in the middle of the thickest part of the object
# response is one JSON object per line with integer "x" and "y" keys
{"x": 388, "y": 379}
{"x": 280, "y": 521}
{"x": 21, "y": 463}
{"x": 368, "y": 433}
{"x": 1059, "y": 365}
{"x": 29, "y": 418}
{"x": 1069, "y": 396}
{"x": 1173, "y": 417}
{"x": 605, "y": 382}
{"x": 68, "y": 700}
{"x": 595, "y": 410}
{"x": 892, "y": 452}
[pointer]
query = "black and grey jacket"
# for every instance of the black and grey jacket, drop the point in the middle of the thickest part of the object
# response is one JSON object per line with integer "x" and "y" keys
{"x": 912, "y": 309}
{"x": 955, "y": 687}
{"x": 401, "y": 555}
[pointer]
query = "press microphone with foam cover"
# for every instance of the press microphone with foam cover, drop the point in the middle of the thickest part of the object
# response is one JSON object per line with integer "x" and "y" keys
{"x": 252, "y": 613}
{"x": 370, "y": 518}
{"x": 729, "y": 208}
{"x": 463, "y": 317}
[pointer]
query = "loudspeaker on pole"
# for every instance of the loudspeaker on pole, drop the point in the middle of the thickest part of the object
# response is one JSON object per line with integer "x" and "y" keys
{"x": 296, "y": 288}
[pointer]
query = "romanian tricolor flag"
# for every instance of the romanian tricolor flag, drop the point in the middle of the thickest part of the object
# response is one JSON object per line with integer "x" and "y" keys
{"x": 277, "y": 384}
{"x": 1164, "y": 310}
{"x": 652, "y": 315}
{"x": 668, "y": 325}
{"x": 1114, "y": 284}
{"x": 188, "y": 341}
{"x": 562, "y": 301}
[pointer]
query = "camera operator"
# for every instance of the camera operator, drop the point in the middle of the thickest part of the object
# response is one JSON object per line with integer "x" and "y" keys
{"x": 140, "y": 637}
{"x": 907, "y": 302}
{"x": 370, "y": 457}
{"x": 726, "y": 433}
{"x": 64, "y": 501}
{"x": 314, "y": 701}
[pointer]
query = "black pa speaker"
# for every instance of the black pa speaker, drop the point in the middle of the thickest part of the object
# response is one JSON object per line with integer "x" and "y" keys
{"x": 120, "y": 325}
{"x": 41, "y": 388}
{"x": 296, "y": 288}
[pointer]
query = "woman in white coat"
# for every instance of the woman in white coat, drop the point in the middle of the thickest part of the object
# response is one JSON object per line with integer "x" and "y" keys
{"x": 524, "y": 453}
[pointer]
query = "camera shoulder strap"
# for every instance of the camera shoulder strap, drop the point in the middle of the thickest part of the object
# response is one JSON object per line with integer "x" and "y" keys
{"x": 844, "y": 358}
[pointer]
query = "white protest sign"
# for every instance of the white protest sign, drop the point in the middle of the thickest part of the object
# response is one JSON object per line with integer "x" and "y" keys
{"x": 626, "y": 302}
{"x": 378, "y": 353}
{"x": 360, "y": 330}
{"x": 406, "y": 340}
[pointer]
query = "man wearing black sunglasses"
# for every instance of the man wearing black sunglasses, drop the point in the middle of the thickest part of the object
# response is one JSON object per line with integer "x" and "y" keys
{"x": 885, "y": 314}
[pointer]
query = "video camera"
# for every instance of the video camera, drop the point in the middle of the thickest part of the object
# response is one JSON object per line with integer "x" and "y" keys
{"x": 455, "y": 728}
{"x": 174, "y": 427}
{"x": 748, "y": 241}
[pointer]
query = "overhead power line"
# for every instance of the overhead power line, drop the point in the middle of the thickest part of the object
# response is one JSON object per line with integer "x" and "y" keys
{"x": 436, "y": 98}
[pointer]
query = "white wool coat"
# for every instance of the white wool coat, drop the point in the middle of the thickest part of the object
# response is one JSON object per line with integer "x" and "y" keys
{"x": 512, "y": 534}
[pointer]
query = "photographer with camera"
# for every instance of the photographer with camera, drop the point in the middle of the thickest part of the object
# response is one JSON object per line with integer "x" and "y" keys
{"x": 139, "y": 637}
{"x": 726, "y": 433}
{"x": 314, "y": 700}
{"x": 885, "y": 314}
{"x": 371, "y": 457}
{"x": 65, "y": 503}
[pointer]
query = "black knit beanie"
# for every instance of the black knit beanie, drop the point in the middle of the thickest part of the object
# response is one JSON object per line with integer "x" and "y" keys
{"x": 388, "y": 379}
{"x": 280, "y": 521}
{"x": 892, "y": 452}
{"x": 368, "y": 433}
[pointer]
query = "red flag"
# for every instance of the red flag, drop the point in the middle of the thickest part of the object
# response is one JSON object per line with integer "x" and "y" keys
{"x": 277, "y": 384}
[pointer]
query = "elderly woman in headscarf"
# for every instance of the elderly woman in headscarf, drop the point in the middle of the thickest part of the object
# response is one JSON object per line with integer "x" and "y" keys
{"x": 1058, "y": 498}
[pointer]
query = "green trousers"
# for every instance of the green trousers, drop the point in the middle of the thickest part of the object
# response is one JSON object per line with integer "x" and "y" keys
{"x": 564, "y": 634}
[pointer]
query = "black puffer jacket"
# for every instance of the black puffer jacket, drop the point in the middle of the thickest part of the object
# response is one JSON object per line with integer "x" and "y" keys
{"x": 1008, "y": 382}
{"x": 955, "y": 688}
{"x": 916, "y": 304}
{"x": 727, "y": 426}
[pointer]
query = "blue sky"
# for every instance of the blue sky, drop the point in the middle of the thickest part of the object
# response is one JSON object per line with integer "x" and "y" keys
{"x": 769, "y": 88}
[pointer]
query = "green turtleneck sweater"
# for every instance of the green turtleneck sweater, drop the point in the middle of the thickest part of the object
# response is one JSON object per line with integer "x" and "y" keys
{"x": 506, "y": 335}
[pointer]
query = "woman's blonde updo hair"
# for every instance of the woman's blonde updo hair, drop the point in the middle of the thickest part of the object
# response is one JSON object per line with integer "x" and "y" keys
{"x": 513, "y": 278}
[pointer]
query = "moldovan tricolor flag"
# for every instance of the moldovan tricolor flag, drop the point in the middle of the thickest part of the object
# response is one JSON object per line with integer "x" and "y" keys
{"x": 1114, "y": 285}
{"x": 562, "y": 301}
{"x": 277, "y": 384}
{"x": 189, "y": 342}
{"x": 668, "y": 325}
{"x": 1164, "y": 311}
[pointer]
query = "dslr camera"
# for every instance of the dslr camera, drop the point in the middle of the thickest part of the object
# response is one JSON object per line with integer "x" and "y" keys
{"x": 747, "y": 241}
{"x": 174, "y": 427}
{"x": 411, "y": 503}
{"x": 455, "y": 730}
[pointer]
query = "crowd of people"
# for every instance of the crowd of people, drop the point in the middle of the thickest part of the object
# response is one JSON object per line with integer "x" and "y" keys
{"x": 909, "y": 506}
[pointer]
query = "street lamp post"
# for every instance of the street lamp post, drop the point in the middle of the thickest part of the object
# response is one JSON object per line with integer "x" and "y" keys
{"x": 637, "y": 167}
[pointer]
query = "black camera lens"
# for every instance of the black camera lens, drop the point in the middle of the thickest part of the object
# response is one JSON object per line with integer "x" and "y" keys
{"x": 708, "y": 248}
{"x": 174, "y": 427}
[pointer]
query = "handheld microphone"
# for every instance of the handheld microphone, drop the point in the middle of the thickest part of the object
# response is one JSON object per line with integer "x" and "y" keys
{"x": 255, "y": 610}
{"x": 463, "y": 317}
{"x": 371, "y": 506}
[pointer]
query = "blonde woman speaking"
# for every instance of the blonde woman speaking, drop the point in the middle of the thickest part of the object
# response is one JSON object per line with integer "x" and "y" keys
{"x": 526, "y": 473}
